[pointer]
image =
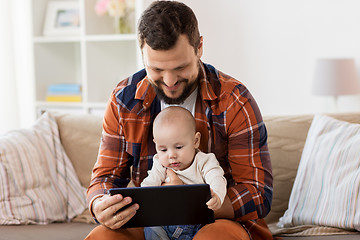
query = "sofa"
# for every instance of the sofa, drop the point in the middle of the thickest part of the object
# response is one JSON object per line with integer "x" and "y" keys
{"x": 80, "y": 137}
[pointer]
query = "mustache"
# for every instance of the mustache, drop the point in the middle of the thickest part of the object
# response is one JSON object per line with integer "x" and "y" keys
{"x": 160, "y": 82}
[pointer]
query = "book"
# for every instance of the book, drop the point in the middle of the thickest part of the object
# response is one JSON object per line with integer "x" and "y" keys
{"x": 64, "y": 92}
{"x": 63, "y": 98}
{"x": 64, "y": 88}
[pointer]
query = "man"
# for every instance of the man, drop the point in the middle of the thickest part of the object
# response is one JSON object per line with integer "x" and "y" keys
{"x": 226, "y": 114}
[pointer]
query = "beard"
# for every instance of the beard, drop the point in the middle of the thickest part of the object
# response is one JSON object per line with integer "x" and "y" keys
{"x": 185, "y": 94}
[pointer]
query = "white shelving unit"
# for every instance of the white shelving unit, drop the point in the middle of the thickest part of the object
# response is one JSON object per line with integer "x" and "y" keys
{"x": 96, "y": 58}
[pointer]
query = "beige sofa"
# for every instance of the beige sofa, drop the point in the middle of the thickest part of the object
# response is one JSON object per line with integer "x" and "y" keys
{"x": 80, "y": 136}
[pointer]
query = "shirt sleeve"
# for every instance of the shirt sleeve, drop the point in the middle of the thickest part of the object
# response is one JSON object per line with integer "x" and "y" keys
{"x": 111, "y": 168}
{"x": 213, "y": 174}
{"x": 248, "y": 155}
{"x": 157, "y": 174}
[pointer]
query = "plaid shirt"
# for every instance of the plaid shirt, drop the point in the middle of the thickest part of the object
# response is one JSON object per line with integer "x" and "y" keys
{"x": 230, "y": 124}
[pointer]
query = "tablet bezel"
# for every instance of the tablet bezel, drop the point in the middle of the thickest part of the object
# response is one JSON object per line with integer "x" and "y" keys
{"x": 169, "y": 205}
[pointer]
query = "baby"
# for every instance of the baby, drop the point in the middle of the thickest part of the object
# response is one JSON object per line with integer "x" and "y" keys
{"x": 177, "y": 145}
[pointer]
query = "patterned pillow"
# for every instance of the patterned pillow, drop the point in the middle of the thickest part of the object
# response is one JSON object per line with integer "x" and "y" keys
{"x": 38, "y": 184}
{"x": 327, "y": 185}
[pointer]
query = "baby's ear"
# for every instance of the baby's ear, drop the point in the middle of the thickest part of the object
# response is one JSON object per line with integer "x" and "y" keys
{"x": 197, "y": 139}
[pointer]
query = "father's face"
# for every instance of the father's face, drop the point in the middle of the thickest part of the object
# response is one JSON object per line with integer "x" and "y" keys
{"x": 173, "y": 73}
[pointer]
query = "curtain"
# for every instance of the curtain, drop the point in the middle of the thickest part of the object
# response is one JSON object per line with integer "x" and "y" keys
{"x": 17, "y": 107}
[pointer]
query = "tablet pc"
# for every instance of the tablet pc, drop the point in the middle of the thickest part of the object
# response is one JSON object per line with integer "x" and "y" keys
{"x": 169, "y": 205}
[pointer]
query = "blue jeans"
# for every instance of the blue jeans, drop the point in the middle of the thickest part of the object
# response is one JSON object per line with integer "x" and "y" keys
{"x": 172, "y": 232}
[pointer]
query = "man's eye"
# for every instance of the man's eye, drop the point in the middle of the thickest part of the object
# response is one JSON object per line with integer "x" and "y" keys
{"x": 156, "y": 70}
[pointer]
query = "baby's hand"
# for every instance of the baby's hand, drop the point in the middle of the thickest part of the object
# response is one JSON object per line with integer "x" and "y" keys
{"x": 214, "y": 203}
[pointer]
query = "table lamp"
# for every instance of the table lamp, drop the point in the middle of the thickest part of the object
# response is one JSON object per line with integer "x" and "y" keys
{"x": 334, "y": 77}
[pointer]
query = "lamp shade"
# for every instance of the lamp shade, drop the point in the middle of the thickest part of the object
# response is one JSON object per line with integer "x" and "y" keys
{"x": 335, "y": 76}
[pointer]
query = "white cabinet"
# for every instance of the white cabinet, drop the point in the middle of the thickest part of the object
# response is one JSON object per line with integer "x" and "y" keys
{"x": 96, "y": 57}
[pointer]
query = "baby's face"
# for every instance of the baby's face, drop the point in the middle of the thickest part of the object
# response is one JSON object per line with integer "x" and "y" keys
{"x": 175, "y": 146}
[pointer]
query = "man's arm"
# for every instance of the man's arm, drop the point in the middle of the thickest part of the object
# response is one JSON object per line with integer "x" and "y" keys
{"x": 248, "y": 156}
{"x": 111, "y": 168}
{"x": 226, "y": 210}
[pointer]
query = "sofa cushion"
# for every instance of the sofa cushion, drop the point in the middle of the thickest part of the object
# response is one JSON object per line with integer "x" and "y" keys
{"x": 38, "y": 183}
{"x": 80, "y": 135}
{"x": 286, "y": 139}
{"x": 55, "y": 231}
{"x": 327, "y": 185}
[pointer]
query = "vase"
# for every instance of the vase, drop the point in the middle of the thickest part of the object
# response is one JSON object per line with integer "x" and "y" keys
{"x": 121, "y": 25}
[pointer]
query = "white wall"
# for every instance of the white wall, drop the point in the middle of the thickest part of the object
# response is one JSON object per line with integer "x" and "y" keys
{"x": 272, "y": 46}
{"x": 16, "y": 89}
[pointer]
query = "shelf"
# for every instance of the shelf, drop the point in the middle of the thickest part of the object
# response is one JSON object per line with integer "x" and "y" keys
{"x": 60, "y": 104}
{"x": 95, "y": 58}
{"x": 70, "y": 104}
{"x": 101, "y": 105}
{"x": 88, "y": 38}
{"x": 108, "y": 63}
{"x": 75, "y": 107}
{"x": 56, "y": 39}
{"x": 113, "y": 37}
{"x": 56, "y": 63}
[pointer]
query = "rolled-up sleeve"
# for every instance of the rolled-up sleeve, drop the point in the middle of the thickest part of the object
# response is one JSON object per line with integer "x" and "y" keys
{"x": 111, "y": 168}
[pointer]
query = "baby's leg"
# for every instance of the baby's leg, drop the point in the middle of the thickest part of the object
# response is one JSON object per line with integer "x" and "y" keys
{"x": 155, "y": 233}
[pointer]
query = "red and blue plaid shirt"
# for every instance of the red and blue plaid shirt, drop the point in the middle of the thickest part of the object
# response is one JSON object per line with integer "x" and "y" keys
{"x": 230, "y": 124}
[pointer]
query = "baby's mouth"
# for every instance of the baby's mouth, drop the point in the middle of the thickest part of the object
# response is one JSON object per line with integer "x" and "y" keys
{"x": 174, "y": 165}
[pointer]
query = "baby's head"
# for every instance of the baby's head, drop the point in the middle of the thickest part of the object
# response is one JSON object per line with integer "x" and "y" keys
{"x": 175, "y": 137}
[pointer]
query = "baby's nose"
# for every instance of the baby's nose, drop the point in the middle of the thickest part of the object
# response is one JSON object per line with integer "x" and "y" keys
{"x": 172, "y": 155}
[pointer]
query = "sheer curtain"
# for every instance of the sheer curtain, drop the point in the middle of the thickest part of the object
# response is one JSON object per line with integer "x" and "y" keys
{"x": 16, "y": 76}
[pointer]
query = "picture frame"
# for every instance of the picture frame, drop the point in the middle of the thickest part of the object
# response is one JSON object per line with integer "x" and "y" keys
{"x": 62, "y": 18}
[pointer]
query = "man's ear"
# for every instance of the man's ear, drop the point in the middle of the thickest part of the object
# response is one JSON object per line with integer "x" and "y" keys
{"x": 200, "y": 48}
{"x": 197, "y": 139}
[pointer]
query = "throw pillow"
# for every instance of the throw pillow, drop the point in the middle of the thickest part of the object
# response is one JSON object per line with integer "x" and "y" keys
{"x": 38, "y": 183}
{"x": 327, "y": 184}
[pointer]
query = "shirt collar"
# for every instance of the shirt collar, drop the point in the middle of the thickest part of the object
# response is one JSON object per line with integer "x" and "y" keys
{"x": 206, "y": 90}
{"x": 145, "y": 92}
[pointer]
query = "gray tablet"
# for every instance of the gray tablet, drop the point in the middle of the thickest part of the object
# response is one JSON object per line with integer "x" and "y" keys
{"x": 169, "y": 205}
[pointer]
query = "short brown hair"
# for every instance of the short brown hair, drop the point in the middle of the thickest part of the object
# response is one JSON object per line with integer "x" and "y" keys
{"x": 163, "y": 21}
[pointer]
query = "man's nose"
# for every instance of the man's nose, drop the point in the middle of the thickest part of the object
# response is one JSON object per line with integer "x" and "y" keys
{"x": 169, "y": 79}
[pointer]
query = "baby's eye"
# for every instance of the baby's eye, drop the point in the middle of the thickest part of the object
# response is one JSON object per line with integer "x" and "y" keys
{"x": 163, "y": 150}
{"x": 179, "y": 147}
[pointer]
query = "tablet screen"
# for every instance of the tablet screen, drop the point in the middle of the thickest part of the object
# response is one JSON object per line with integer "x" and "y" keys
{"x": 169, "y": 205}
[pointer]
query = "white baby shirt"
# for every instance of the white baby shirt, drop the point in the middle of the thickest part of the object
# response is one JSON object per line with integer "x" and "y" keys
{"x": 204, "y": 169}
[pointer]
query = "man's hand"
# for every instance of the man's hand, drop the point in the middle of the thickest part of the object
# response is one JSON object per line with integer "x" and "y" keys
{"x": 214, "y": 203}
{"x": 172, "y": 178}
{"x": 106, "y": 210}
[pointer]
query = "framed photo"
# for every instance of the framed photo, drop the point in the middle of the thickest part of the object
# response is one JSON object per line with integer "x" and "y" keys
{"x": 62, "y": 18}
